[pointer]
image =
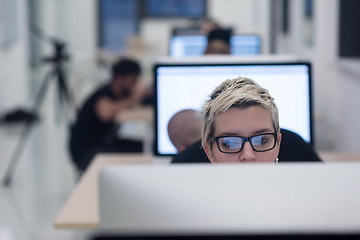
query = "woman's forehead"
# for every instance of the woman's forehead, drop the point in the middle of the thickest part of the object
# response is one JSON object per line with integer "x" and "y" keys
{"x": 236, "y": 121}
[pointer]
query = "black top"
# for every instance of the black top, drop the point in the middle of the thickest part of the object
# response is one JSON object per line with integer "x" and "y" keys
{"x": 89, "y": 130}
{"x": 220, "y": 34}
{"x": 293, "y": 149}
{"x": 192, "y": 154}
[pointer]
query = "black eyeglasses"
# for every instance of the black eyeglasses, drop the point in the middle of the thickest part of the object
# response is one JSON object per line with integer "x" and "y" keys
{"x": 234, "y": 144}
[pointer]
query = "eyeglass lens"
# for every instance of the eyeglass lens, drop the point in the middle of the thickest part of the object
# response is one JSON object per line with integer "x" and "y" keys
{"x": 262, "y": 142}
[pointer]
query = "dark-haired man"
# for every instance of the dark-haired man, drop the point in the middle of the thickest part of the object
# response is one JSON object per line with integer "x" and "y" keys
{"x": 94, "y": 130}
{"x": 218, "y": 41}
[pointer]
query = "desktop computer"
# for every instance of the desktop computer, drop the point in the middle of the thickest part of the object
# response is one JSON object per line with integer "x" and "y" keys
{"x": 232, "y": 201}
{"x": 186, "y": 85}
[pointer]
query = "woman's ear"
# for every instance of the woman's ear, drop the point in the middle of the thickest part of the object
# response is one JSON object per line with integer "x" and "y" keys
{"x": 209, "y": 152}
{"x": 278, "y": 142}
{"x": 279, "y": 137}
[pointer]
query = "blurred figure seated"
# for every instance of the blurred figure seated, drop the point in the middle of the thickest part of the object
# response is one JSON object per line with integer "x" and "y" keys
{"x": 95, "y": 130}
{"x": 184, "y": 129}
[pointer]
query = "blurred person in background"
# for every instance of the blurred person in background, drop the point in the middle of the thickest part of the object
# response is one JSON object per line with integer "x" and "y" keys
{"x": 95, "y": 130}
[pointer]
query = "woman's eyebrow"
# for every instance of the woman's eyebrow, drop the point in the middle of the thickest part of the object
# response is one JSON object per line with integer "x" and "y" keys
{"x": 229, "y": 134}
{"x": 234, "y": 133}
{"x": 237, "y": 133}
{"x": 264, "y": 130}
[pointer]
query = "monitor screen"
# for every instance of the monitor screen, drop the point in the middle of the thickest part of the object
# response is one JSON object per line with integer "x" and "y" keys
{"x": 187, "y": 86}
{"x": 194, "y": 45}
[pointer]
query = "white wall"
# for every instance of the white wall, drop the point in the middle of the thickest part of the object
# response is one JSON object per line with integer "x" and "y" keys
{"x": 75, "y": 23}
{"x": 13, "y": 62}
{"x": 71, "y": 21}
{"x": 336, "y": 82}
{"x": 326, "y": 75}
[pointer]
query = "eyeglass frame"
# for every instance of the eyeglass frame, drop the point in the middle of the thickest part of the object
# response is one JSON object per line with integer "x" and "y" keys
{"x": 245, "y": 139}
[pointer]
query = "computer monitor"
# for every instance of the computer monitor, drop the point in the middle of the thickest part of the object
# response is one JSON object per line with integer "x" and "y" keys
{"x": 245, "y": 44}
{"x": 231, "y": 199}
{"x": 194, "y": 45}
{"x": 187, "y": 86}
{"x": 187, "y": 45}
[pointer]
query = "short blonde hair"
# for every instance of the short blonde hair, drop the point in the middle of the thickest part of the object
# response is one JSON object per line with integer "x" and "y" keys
{"x": 241, "y": 93}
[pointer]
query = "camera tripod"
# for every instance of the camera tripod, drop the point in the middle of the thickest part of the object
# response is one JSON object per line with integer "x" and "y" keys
{"x": 56, "y": 73}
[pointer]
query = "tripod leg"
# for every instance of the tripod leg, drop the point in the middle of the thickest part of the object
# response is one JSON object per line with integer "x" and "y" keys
{"x": 17, "y": 153}
{"x": 25, "y": 132}
{"x": 65, "y": 94}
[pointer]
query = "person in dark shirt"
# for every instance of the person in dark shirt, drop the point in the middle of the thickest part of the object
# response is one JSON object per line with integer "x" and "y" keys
{"x": 184, "y": 128}
{"x": 95, "y": 130}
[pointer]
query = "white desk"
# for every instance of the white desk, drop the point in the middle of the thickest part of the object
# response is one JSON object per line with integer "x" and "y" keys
{"x": 136, "y": 123}
{"x": 81, "y": 209}
{"x": 329, "y": 157}
{"x": 143, "y": 114}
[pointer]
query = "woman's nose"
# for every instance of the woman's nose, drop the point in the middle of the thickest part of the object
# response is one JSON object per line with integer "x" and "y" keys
{"x": 247, "y": 154}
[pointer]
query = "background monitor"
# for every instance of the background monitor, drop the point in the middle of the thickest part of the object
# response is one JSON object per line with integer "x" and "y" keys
{"x": 187, "y": 45}
{"x": 245, "y": 45}
{"x": 183, "y": 86}
{"x": 194, "y": 45}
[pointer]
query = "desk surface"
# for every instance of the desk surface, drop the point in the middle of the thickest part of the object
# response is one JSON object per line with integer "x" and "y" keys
{"x": 143, "y": 114}
{"x": 339, "y": 157}
{"x": 81, "y": 209}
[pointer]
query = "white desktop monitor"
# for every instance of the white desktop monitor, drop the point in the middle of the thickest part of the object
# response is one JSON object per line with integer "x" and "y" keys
{"x": 230, "y": 199}
{"x": 187, "y": 86}
{"x": 195, "y": 45}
